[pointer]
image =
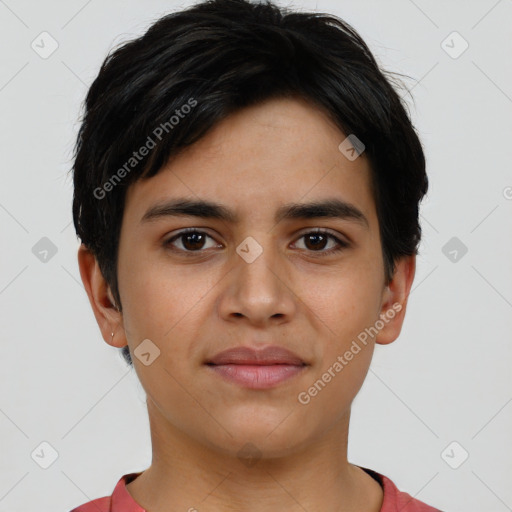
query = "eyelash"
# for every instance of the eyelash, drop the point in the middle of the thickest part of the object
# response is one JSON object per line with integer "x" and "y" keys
{"x": 341, "y": 243}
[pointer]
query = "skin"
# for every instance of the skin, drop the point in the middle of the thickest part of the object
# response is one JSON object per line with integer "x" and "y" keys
{"x": 280, "y": 151}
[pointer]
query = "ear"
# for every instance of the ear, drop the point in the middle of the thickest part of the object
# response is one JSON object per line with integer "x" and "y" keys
{"x": 103, "y": 304}
{"x": 394, "y": 300}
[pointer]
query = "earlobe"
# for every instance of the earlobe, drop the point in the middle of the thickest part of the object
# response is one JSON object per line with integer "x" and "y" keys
{"x": 100, "y": 297}
{"x": 394, "y": 303}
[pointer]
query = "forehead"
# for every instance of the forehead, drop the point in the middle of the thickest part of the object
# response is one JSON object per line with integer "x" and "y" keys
{"x": 278, "y": 152}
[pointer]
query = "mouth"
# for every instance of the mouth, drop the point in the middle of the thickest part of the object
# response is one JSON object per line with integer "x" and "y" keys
{"x": 257, "y": 369}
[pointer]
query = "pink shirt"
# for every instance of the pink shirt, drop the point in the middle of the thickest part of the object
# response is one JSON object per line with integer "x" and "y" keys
{"x": 122, "y": 501}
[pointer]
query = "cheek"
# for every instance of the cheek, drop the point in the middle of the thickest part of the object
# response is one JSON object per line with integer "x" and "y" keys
{"x": 167, "y": 306}
{"x": 158, "y": 296}
{"x": 346, "y": 305}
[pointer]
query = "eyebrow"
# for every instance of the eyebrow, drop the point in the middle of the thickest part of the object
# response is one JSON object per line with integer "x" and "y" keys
{"x": 329, "y": 208}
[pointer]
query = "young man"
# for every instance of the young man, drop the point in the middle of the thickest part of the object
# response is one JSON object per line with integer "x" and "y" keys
{"x": 247, "y": 184}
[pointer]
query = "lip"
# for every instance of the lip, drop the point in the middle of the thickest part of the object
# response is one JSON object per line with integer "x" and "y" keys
{"x": 257, "y": 369}
{"x": 249, "y": 356}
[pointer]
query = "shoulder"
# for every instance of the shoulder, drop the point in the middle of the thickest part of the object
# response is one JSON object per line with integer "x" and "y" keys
{"x": 397, "y": 501}
{"x": 97, "y": 505}
{"x": 119, "y": 501}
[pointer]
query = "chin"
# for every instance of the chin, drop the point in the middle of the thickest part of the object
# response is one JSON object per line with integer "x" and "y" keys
{"x": 272, "y": 438}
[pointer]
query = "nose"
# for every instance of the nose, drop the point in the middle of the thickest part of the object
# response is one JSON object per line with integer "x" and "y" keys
{"x": 258, "y": 290}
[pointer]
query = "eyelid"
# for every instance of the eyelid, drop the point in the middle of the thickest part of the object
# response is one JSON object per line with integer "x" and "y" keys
{"x": 326, "y": 231}
{"x": 302, "y": 232}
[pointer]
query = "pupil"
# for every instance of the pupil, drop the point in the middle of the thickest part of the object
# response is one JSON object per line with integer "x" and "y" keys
{"x": 317, "y": 236}
{"x": 196, "y": 240}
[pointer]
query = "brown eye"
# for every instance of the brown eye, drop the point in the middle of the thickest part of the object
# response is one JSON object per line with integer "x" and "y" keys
{"x": 316, "y": 241}
{"x": 192, "y": 240}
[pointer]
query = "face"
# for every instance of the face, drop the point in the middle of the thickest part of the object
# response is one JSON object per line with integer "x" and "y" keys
{"x": 255, "y": 280}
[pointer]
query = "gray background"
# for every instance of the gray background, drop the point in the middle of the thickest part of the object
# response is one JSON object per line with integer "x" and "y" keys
{"x": 447, "y": 378}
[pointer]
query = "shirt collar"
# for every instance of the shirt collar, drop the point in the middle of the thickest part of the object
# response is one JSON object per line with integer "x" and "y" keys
{"x": 122, "y": 500}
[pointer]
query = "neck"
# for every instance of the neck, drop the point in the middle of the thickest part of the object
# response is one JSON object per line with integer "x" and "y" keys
{"x": 188, "y": 475}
